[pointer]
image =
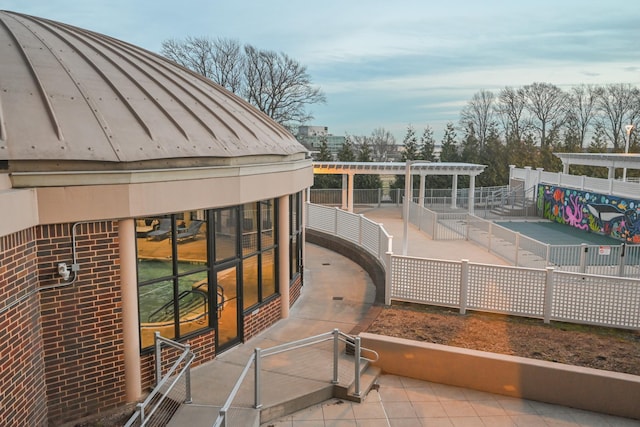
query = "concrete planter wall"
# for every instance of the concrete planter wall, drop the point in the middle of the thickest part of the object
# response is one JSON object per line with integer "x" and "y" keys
{"x": 583, "y": 388}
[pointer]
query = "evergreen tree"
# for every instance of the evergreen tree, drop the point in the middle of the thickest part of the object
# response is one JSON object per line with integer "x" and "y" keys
{"x": 324, "y": 155}
{"x": 495, "y": 157}
{"x": 427, "y": 145}
{"x": 470, "y": 152}
{"x": 410, "y": 152}
{"x": 410, "y": 144}
{"x": 325, "y": 180}
{"x": 347, "y": 152}
{"x": 365, "y": 154}
{"x": 449, "y": 145}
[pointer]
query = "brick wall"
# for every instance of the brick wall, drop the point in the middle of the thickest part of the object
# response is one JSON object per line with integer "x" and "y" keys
{"x": 203, "y": 346}
{"x": 22, "y": 391}
{"x": 294, "y": 290}
{"x": 82, "y": 323}
{"x": 261, "y": 318}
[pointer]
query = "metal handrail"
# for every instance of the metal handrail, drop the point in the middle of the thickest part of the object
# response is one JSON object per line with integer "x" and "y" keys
{"x": 259, "y": 354}
{"x": 221, "y": 420}
{"x": 187, "y": 357}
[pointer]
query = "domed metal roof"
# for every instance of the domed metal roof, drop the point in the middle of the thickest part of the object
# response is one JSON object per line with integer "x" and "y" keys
{"x": 69, "y": 96}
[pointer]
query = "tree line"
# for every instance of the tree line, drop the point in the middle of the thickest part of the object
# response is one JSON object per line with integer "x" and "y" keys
{"x": 522, "y": 127}
{"x": 519, "y": 126}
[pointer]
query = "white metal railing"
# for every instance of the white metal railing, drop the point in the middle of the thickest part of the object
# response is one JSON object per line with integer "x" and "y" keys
{"x": 532, "y": 178}
{"x": 255, "y": 360}
{"x": 522, "y": 251}
{"x": 166, "y": 397}
{"x": 354, "y": 228}
{"x": 539, "y": 291}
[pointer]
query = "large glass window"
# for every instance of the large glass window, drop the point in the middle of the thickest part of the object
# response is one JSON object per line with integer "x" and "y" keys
{"x": 295, "y": 234}
{"x": 258, "y": 248}
{"x": 172, "y": 267}
{"x": 201, "y": 269}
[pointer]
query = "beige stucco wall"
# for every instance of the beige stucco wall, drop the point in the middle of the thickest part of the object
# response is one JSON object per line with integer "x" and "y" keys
{"x": 18, "y": 208}
{"x": 589, "y": 389}
{"x": 64, "y": 204}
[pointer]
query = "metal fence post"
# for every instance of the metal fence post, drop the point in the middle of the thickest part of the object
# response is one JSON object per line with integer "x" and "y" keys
{"x": 158, "y": 350}
{"x": 583, "y": 257}
{"x": 517, "y": 248}
{"x": 223, "y": 415}
{"x": 622, "y": 262}
{"x": 357, "y": 367}
{"x": 489, "y": 237}
{"x": 336, "y": 341}
{"x": 464, "y": 285}
{"x": 187, "y": 379}
{"x": 258, "y": 366}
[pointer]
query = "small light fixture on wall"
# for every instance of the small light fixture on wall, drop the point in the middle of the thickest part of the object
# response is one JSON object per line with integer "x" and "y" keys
{"x": 64, "y": 271}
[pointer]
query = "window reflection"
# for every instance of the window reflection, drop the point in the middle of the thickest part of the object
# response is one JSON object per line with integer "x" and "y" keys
{"x": 226, "y": 221}
{"x": 250, "y": 281}
{"x": 155, "y": 314}
{"x": 249, "y": 228}
{"x": 268, "y": 274}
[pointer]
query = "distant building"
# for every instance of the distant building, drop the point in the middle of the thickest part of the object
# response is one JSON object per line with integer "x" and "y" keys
{"x": 312, "y": 137}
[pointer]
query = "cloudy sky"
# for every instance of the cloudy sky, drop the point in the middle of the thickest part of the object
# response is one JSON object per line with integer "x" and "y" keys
{"x": 390, "y": 64}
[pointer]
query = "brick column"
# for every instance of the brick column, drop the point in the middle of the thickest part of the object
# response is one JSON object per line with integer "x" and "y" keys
{"x": 130, "y": 325}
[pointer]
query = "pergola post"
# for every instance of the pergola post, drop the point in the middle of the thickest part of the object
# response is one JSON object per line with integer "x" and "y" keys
{"x": 345, "y": 191}
{"x": 472, "y": 194}
{"x": 454, "y": 192}
{"x": 421, "y": 192}
{"x": 350, "y": 179}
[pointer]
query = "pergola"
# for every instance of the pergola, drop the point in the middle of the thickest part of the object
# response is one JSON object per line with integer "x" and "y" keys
{"x": 612, "y": 161}
{"x": 414, "y": 167}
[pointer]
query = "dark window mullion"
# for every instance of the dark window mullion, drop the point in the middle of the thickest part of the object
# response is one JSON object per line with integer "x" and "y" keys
{"x": 175, "y": 278}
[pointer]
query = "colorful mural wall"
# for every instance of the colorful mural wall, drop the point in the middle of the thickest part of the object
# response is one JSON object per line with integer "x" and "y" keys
{"x": 611, "y": 215}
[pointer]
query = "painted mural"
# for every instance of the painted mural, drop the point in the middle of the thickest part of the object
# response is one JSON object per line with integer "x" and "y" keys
{"x": 610, "y": 215}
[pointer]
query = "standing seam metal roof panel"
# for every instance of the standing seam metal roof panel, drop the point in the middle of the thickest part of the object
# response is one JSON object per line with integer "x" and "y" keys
{"x": 71, "y": 94}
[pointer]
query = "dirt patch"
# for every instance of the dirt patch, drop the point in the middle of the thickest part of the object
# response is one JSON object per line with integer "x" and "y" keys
{"x": 588, "y": 346}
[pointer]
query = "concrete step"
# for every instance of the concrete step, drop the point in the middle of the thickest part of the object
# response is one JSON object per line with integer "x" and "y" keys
{"x": 313, "y": 394}
{"x": 295, "y": 404}
{"x": 368, "y": 377}
{"x": 196, "y": 415}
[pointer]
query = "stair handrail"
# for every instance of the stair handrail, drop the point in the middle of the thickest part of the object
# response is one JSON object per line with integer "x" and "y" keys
{"x": 158, "y": 395}
{"x": 256, "y": 358}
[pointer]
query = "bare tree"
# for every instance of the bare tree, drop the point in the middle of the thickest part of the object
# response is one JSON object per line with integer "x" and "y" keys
{"x": 194, "y": 53}
{"x": 383, "y": 145}
{"x": 582, "y": 110}
{"x": 273, "y": 82}
{"x": 228, "y": 70}
{"x": 510, "y": 109}
{"x": 546, "y": 103}
{"x": 478, "y": 114}
{"x": 617, "y": 108}
{"x": 279, "y": 86}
